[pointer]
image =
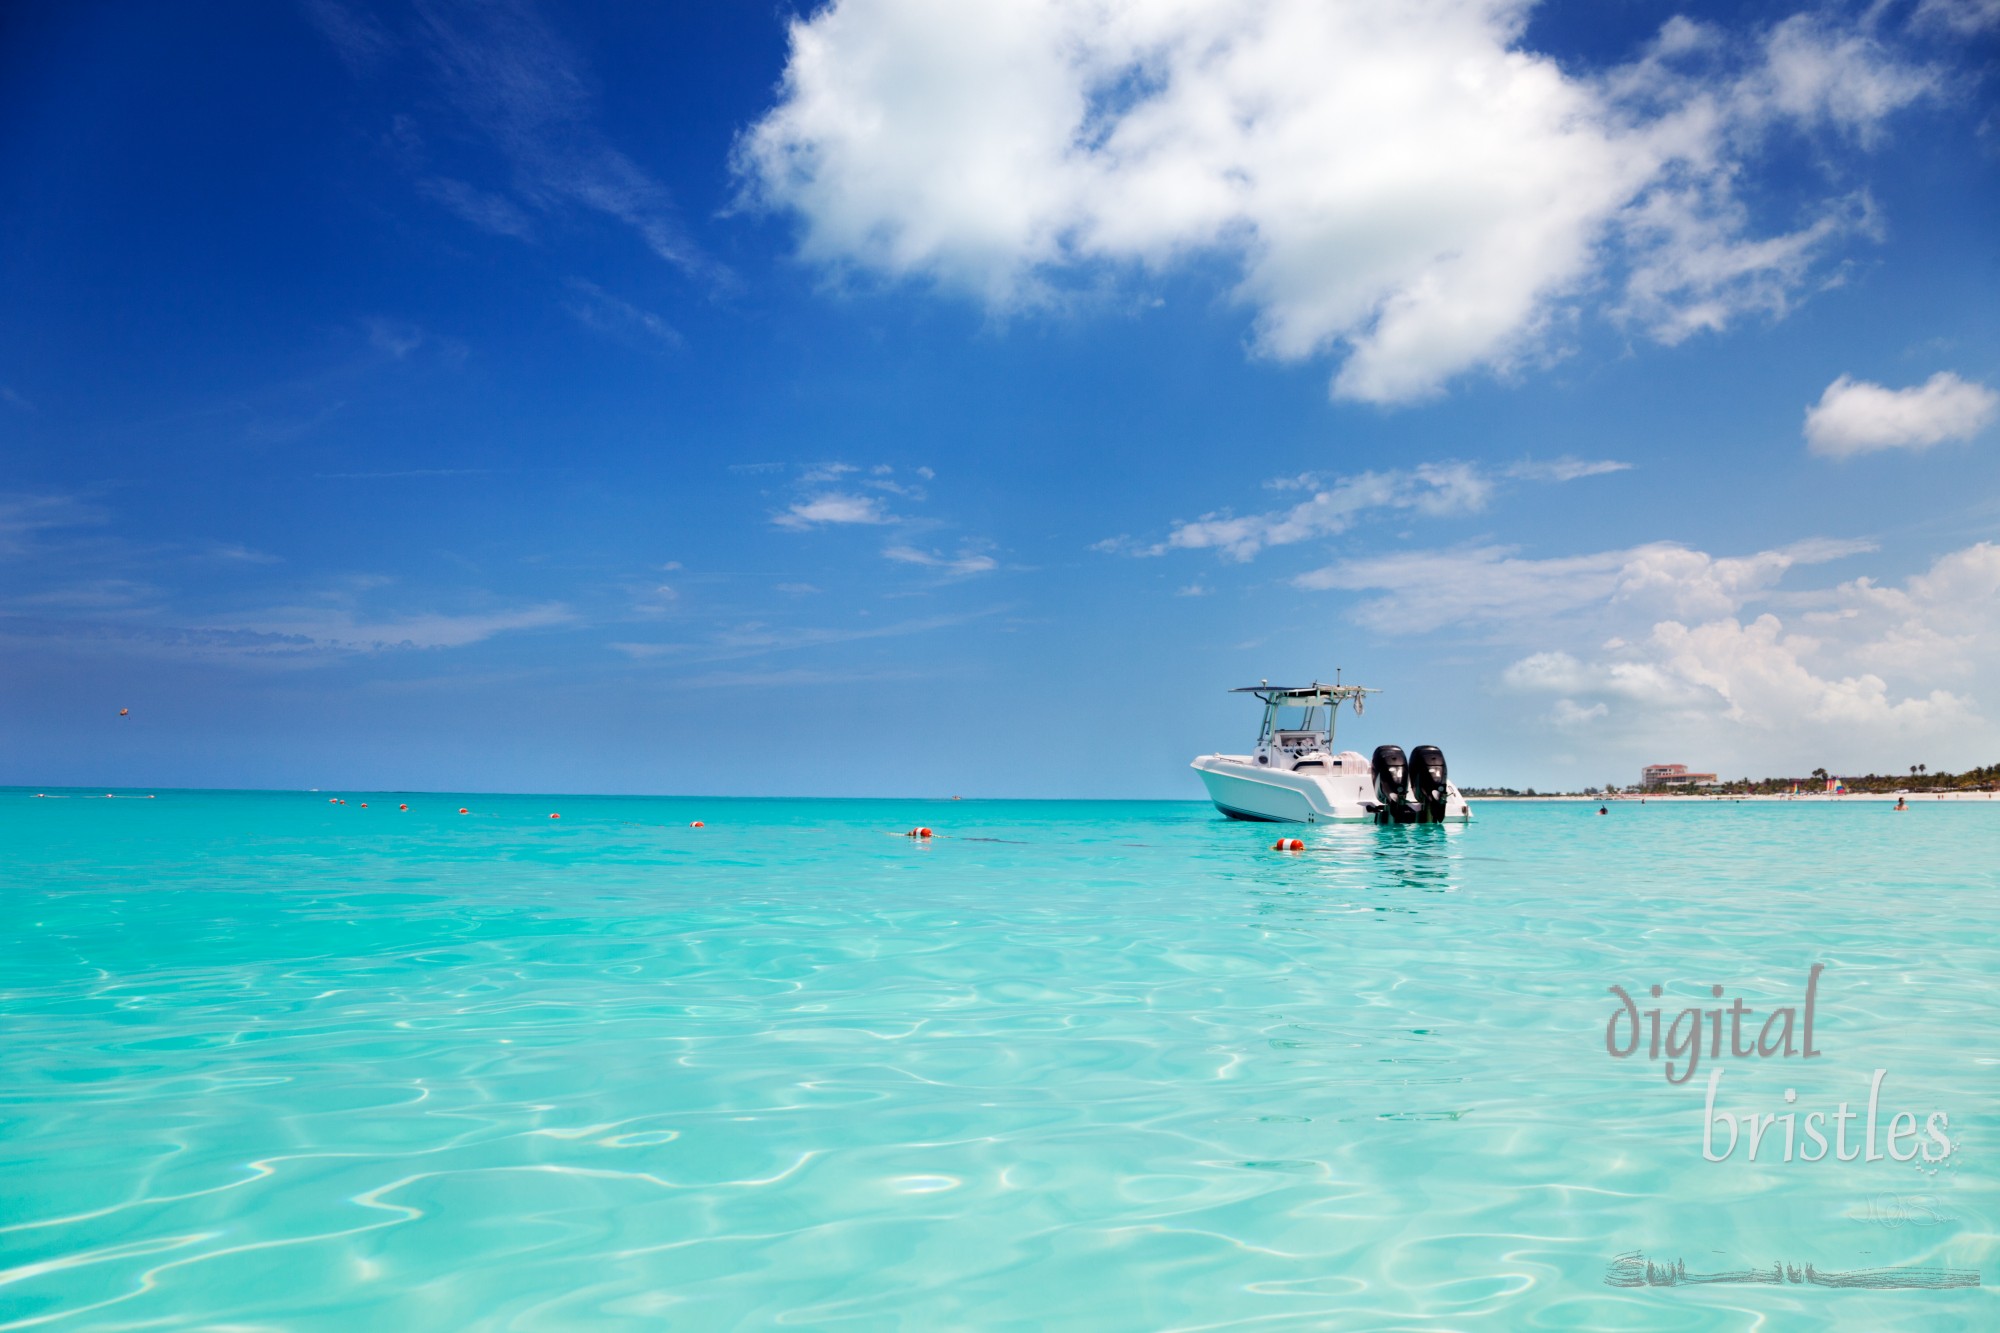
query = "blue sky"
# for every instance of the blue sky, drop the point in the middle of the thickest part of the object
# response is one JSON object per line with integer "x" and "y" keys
{"x": 902, "y": 398}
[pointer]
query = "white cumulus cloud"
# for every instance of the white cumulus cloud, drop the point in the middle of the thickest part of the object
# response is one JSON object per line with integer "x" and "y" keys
{"x": 1405, "y": 186}
{"x": 1857, "y": 417}
{"x": 1869, "y": 668}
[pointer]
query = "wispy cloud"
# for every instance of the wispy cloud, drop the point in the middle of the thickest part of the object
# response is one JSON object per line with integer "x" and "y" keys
{"x": 642, "y": 651}
{"x": 1490, "y": 585}
{"x": 275, "y": 428}
{"x": 396, "y": 337}
{"x": 482, "y": 208}
{"x": 839, "y": 493}
{"x": 1338, "y": 503}
{"x": 361, "y": 43}
{"x": 797, "y": 677}
{"x": 652, "y": 601}
{"x": 967, "y": 562}
{"x": 519, "y": 82}
{"x": 348, "y": 630}
{"x": 1433, "y": 488}
{"x": 26, "y": 519}
{"x": 404, "y": 473}
{"x": 128, "y": 618}
{"x": 92, "y": 595}
{"x": 755, "y": 639}
{"x": 834, "y": 507}
{"x": 1565, "y": 469}
{"x": 74, "y": 581}
{"x": 1964, "y": 18}
{"x": 514, "y": 78}
{"x": 235, "y": 553}
{"x": 598, "y": 309}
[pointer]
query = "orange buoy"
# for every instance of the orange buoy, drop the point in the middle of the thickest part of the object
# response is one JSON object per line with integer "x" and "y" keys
{"x": 364, "y": 805}
{"x": 402, "y": 807}
{"x": 923, "y": 833}
{"x": 463, "y": 811}
{"x": 1288, "y": 845}
{"x": 697, "y": 824}
{"x": 333, "y": 800}
{"x": 555, "y": 816}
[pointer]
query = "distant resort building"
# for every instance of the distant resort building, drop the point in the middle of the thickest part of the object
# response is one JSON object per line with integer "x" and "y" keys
{"x": 1673, "y": 775}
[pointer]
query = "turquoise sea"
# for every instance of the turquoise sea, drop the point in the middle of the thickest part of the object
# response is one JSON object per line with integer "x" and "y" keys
{"x": 269, "y": 1062}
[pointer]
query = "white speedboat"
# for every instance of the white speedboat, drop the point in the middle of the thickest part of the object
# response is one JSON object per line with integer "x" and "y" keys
{"x": 1295, "y": 776}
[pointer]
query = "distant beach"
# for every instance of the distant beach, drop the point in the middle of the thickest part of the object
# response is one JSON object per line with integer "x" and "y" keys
{"x": 1803, "y": 798}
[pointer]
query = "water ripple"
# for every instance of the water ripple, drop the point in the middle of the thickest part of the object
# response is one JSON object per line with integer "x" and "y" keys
{"x": 267, "y": 1064}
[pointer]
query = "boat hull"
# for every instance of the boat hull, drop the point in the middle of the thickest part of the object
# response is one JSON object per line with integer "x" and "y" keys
{"x": 1242, "y": 789}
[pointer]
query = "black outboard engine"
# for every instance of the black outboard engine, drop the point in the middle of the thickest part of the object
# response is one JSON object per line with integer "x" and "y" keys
{"x": 1427, "y": 783}
{"x": 1392, "y": 785}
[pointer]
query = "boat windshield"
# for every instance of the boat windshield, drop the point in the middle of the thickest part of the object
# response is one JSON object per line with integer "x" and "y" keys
{"x": 1286, "y": 718}
{"x": 1298, "y": 718}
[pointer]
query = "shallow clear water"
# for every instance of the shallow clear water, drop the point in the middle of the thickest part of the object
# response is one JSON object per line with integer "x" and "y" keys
{"x": 270, "y": 1062}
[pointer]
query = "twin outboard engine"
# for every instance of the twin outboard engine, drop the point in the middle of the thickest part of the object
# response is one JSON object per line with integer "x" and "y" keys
{"x": 1427, "y": 783}
{"x": 1412, "y": 790}
{"x": 1392, "y": 784}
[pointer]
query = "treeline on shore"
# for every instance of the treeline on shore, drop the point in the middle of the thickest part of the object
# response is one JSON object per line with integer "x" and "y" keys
{"x": 1918, "y": 779}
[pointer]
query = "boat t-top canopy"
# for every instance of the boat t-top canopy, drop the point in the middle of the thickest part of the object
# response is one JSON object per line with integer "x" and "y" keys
{"x": 1305, "y": 696}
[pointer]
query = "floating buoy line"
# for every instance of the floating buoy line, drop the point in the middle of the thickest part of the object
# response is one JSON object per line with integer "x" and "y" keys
{"x": 922, "y": 833}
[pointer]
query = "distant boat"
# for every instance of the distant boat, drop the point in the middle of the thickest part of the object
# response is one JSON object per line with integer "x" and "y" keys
{"x": 1295, "y": 776}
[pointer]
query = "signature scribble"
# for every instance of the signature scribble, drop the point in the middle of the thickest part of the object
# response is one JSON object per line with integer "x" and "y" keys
{"x": 1634, "y": 1269}
{"x": 1892, "y": 1211}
